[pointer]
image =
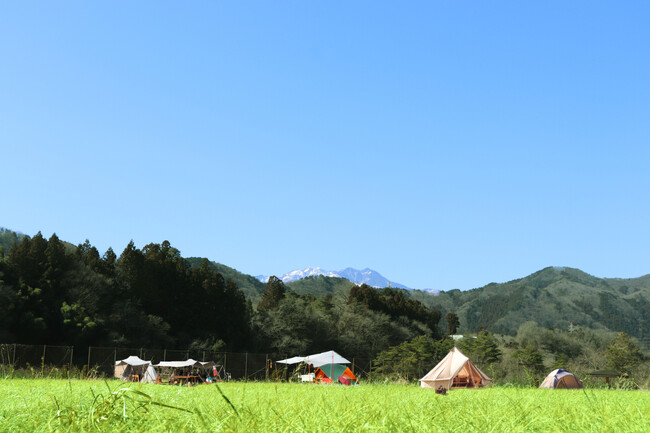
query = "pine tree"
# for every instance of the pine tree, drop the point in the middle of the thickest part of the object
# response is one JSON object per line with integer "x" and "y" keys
{"x": 622, "y": 354}
{"x": 452, "y": 323}
{"x": 275, "y": 291}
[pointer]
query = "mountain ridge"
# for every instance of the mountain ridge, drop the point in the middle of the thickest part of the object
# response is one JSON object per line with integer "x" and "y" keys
{"x": 367, "y": 276}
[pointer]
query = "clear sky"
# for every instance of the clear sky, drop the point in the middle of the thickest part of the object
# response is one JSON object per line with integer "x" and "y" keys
{"x": 443, "y": 144}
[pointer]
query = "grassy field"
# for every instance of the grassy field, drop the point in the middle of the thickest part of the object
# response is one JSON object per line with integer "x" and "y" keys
{"x": 92, "y": 406}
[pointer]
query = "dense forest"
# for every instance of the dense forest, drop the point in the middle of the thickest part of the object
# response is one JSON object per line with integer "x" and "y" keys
{"x": 55, "y": 293}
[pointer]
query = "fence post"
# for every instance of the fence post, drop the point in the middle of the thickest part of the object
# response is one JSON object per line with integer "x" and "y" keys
{"x": 14, "y": 362}
{"x": 165, "y": 354}
{"x": 246, "y": 368}
{"x": 225, "y": 358}
{"x": 71, "y": 354}
{"x": 140, "y": 352}
{"x": 352, "y": 364}
{"x": 43, "y": 360}
{"x": 114, "y": 355}
{"x": 203, "y": 357}
{"x": 266, "y": 358}
{"x": 370, "y": 371}
{"x": 88, "y": 358}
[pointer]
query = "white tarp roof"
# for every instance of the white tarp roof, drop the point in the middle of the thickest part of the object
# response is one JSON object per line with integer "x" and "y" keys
{"x": 292, "y": 360}
{"x": 133, "y": 361}
{"x": 183, "y": 364}
{"x": 317, "y": 360}
{"x": 326, "y": 358}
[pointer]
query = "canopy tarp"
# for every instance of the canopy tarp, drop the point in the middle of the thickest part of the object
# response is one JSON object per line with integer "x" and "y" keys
{"x": 133, "y": 361}
{"x": 604, "y": 373}
{"x": 328, "y": 357}
{"x": 455, "y": 370}
{"x": 292, "y": 360}
{"x": 183, "y": 364}
{"x": 560, "y": 379}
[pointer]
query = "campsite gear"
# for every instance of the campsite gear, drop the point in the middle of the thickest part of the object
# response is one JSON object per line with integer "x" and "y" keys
{"x": 187, "y": 371}
{"x": 441, "y": 390}
{"x": 307, "y": 378}
{"x": 325, "y": 374}
{"x": 454, "y": 371}
{"x": 133, "y": 368}
{"x": 328, "y": 365}
{"x": 560, "y": 379}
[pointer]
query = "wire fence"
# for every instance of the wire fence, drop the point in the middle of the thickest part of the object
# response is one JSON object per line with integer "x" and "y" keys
{"x": 100, "y": 361}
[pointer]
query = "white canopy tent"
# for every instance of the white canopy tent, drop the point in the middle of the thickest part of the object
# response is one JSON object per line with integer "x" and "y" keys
{"x": 317, "y": 360}
{"x": 184, "y": 364}
{"x": 328, "y": 357}
{"x": 134, "y": 368}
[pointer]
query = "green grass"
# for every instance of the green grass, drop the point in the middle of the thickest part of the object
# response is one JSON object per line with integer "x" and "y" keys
{"x": 97, "y": 406}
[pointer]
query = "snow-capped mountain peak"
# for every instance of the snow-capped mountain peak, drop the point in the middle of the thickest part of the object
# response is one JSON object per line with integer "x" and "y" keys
{"x": 367, "y": 276}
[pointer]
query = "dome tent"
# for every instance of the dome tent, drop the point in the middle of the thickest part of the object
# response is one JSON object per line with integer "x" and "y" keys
{"x": 560, "y": 379}
{"x": 334, "y": 372}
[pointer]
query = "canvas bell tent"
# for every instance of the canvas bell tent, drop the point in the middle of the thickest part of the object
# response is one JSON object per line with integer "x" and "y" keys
{"x": 133, "y": 368}
{"x": 330, "y": 373}
{"x": 454, "y": 371}
{"x": 560, "y": 379}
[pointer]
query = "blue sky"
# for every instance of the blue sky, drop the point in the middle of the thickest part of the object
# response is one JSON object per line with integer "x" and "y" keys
{"x": 443, "y": 144}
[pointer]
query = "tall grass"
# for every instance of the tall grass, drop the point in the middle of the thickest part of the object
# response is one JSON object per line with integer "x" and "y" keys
{"x": 98, "y": 406}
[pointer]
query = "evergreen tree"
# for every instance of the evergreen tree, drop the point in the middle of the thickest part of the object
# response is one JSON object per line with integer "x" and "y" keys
{"x": 452, "y": 323}
{"x": 622, "y": 354}
{"x": 274, "y": 293}
{"x": 530, "y": 358}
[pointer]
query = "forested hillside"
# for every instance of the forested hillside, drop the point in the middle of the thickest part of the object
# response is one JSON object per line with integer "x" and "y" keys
{"x": 56, "y": 293}
{"x": 249, "y": 285}
{"x": 552, "y": 297}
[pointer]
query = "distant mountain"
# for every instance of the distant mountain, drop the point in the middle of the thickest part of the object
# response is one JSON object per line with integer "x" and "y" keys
{"x": 552, "y": 297}
{"x": 367, "y": 276}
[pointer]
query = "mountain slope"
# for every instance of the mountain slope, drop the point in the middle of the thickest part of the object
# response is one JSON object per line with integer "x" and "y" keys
{"x": 321, "y": 285}
{"x": 248, "y": 284}
{"x": 552, "y": 297}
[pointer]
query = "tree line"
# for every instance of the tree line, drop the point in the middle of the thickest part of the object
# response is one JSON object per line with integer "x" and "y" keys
{"x": 55, "y": 293}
